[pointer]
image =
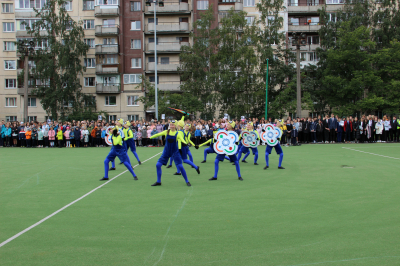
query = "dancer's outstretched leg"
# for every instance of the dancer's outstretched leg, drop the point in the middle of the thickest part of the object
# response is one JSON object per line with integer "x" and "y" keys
{"x": 182, "y": 170}
{"x": 190, "y": 156}
{"x": 130, "y": 169}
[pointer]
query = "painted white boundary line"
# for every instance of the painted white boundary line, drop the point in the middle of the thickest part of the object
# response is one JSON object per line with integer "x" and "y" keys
{"x": 372, "y": 153}
{"x": 66, "y": 206}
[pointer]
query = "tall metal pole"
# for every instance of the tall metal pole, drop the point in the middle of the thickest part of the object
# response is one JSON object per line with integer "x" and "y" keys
{"x": 298, "y": 82}
{"x": 155, "y": 56}
{"x": 26, "y": 62}
{"x": 266, "y": 94}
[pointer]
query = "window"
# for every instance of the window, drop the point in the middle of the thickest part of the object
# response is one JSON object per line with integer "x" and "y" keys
{"x": 10, "y": 65}
{"x": 135, "y": 25}
{"x": 108, "y": 81}
{"x": 136, "y": 63}
{"x": 109, "y": 41}
{"x": 11, "y": 118}
{"x": 32, "y": 118}
{"x": 27, "y": 4}
{"x": 335, "y": 1}
{"x": 151, "y": 20}
{"x": 11, "y": 102}
{"x": 164, "y": 60}
{"x": 89, "y": 82}
{"x": 133, "y": 117}
{"x": 153, "y": 79}
{"x": 23, "y": 24}
{"x": 313, "y": 56}
{"x": 8, "y": 26}
{"x": 136, "y": 44}
{"x": 32, "y": 102}
{"x": 68, "y": 103}
{"x": 111, "y": 100}
{"x": 313, "y": 20}
{"x": 88, "y": 24}
{"x": 11, "y": 83}
{"x": 135, "y": 6}
{"x": 133, "y": 100}
{"x": 248, "y": 3}
{"x": 106, "y": 2}
{"x": 108, "y": 59}
{"x": 109, "y": 22}
{"x": 90, "y": 101}
{"x": 88, "y": 5}
{"x": 112, "y": 118}
{"x": 89, "y": 42}
{"x": 332, "y": 17}
{"x": 151, "y": 40}
{"x": 90, "y": 62}
{"x": 313, "y": 40}
{"x": 294, "y": 21}
{"x": 9, "y": 46}
{"x": 132, "y": 78}
{"x": 202, "y": 5}
{"x": 303, "y": 56}
{"x": 68, "y": 5}
{"x": 270, "y": 20}
{"x": 7, "y": 8}
{"x": 249, "y": 20}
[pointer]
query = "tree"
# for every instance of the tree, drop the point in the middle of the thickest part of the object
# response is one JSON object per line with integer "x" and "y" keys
{"x": 59, "y": 65}
{"x": 357, "y": 58}
{"x": 271, "y": 45}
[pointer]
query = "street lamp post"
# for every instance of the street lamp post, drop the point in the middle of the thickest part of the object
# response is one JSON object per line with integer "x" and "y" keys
{"x": 266, "y": 94}
{"x": 161, "y": 4}
{"x": 299, "y": 40}
{"x": 26, "y": 48}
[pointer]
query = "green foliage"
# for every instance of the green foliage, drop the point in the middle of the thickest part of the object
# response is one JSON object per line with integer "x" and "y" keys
{"x": 59, "y": 67}
{"x": 359, "y": 59}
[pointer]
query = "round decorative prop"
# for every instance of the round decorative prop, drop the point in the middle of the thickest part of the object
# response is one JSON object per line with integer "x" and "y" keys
{"x": 249, "y": 139}
{"x": 271, "y": 135}
{"x": 108, "y": 138}
{"x": 226, "y": 142}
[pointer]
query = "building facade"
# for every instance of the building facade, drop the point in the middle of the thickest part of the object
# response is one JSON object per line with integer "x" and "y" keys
{"x": 120, "y": 35}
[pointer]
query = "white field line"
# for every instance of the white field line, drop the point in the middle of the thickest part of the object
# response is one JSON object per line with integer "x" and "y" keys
{"x": 66, "y": 206}
{"x": 372, "y": 153}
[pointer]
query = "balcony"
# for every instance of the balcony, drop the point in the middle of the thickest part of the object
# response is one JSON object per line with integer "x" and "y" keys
{"x": 106, "y": 69}
{"x": 224, "y": 5}
{"x": 304, "y": 6}
{"x": 107, "y": 49}
{"x": 169, "y": 27}
{"x": 102, "y": 30}
{"x": 169, "y": 8}
{"x": 25, "y": 13}
{"x": 21, "y": 90}
{"x": 106, "y": 11}
{"x": 167, "y": 87}
{"x": 171, "y": 67}
{"x": 169, "y": 47}
{"x": 108, "y": 88}
{"x": 24, "y": 33}
{"x": 304, "y": 27}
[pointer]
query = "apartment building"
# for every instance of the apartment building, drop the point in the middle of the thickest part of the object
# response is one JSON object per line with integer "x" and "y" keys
{"x": 303, "y": 17}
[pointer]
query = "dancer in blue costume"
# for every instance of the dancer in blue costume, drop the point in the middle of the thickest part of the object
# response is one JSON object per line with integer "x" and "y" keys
{"x": 129, "y": 142}
{"x": 117, "y": 150}
{"x": 209, "y": 149}
{"x": 185, "y": 152}
{"x": 221, "y": 158}
{"x": 278, "y": 150}
{"x": 173, "y": 144}
{"x": 246, "y": 150}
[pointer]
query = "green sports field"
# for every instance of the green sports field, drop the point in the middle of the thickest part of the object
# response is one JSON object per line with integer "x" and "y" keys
{"x": 330, "y": 206}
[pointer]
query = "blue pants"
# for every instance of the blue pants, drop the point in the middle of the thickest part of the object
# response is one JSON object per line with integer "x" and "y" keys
{"x": 178, "y": 162}
{"x": 130, "y": 143}
{"x": 208, "y": 150}
{"x": 247, "y": 152}
{"x": 278, "y": 150}
{"x": 121, "y": 154}
{"x": 221, "y": 158}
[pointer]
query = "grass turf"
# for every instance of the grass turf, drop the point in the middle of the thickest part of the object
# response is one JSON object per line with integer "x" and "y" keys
{"x": 315, "y": 212}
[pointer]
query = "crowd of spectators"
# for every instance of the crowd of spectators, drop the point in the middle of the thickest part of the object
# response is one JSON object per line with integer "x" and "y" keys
{"x": 86, "y": 133}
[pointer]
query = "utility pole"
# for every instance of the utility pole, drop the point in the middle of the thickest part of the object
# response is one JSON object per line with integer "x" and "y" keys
{"x": 299, "y": 40}
{"x": 266, "y": 94}
{"x": 25, "y": 49}
{"x": 161, "y": 4}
